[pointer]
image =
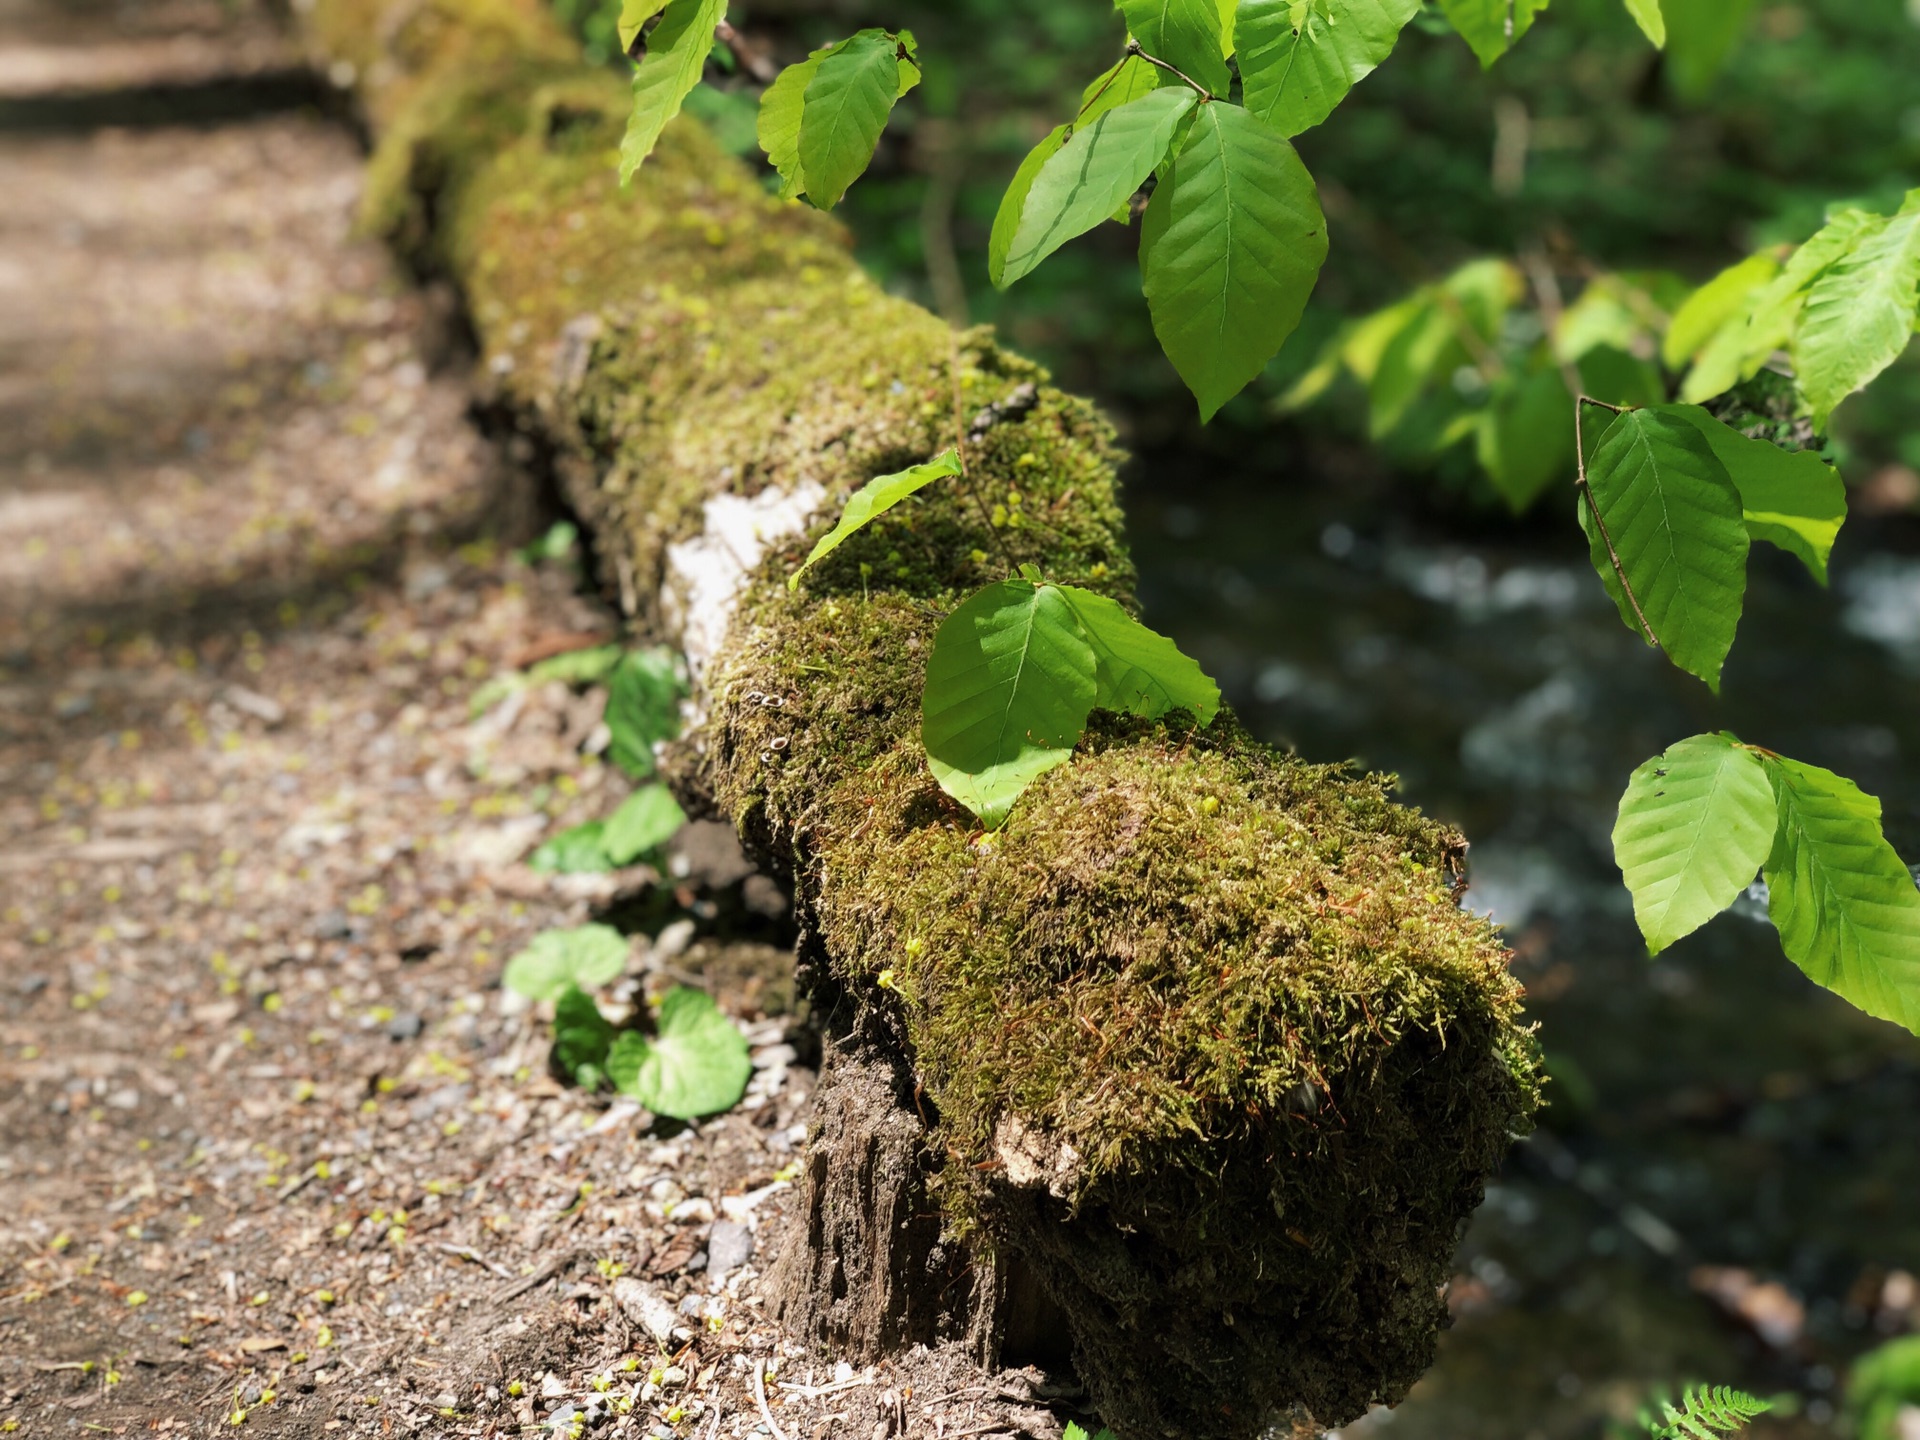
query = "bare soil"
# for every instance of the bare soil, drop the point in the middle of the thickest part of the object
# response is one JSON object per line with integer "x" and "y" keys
{"x": 277, "y": 1155}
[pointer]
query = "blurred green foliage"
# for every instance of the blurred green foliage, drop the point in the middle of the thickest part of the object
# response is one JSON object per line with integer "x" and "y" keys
{"x": 1583, "y": 140}
{"x": 1883, "y": 1384}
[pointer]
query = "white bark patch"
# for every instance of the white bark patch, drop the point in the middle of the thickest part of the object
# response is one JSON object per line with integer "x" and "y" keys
{"x": 706, "y": 575}
{"x": 1034, "y": 1158}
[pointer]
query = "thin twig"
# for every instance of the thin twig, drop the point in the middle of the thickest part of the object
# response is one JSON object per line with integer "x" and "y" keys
{"x": 1546, "y": 292}
{"x": 756, "y": 65}
{"x": 815, "y": 1392}
{"x": 467, "y": 1252}
{"x": 1105, "y": 85}
{"x": 1133, "y": 48}
{"x": 1546, "y": 289}
{"x": 539, "y": 1277}
{"x": 1593, "y": 507}
{"x": 760, "y": 1398}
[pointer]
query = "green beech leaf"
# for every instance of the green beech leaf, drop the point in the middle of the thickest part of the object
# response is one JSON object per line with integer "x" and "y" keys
{"x": 1231, "y": 248}
{"x": 1525, "y": 442}
{"x": 1695, "y": 826}
{"x": 1652, "y": 22}
{"x": 1294, "y": 74}
{"x": 634, "y": 15}
{"x": 582, "y": 1038}
{"x": 1713, "y": 305}
{"x": 579, "y": 667}
{"x": 1139, "y": 671}
{"x": 779, "y": 125}
{"x": 1492, "y": 27}
{"x": 847, "y": 105}
{"x": 579, "y": 851}
{"x": 909, "y": 56}
{"x": 677, "y": 51}
{"x": 1749, "y": 339}
{"x": 1098, "y": 167}
{"x": 1612, "y": 310}
{"x": 1789, "y": 498}
{"x": 697, "y": 1064}
{"x": 1010, "y": 683}
{"x": 1860, "y": 314}
{"x": 556, "y": 960}
{"x": 1125, "y": 83}
{"x": 1843, "y": 901}
{"x": 643, "y": 708}
{"x": 1675, "y": 520}
{"x": 1408, "y": 365}
{"x": 1006, "y": 223}
{"x": 1185, "y": 34}
{"x": 874, "y": 499}
{"x": 1229, "y": 16}
{"x": 645, "y": 821}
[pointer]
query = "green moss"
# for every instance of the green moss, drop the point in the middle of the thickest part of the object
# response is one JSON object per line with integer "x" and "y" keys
{"x": 1259, "y": 1059}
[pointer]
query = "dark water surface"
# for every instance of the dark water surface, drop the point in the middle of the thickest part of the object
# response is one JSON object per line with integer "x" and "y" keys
{"x": 1712, "y": 1108}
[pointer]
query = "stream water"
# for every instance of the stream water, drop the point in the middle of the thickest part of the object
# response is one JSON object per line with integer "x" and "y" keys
{"x": 1727, "y": 1185}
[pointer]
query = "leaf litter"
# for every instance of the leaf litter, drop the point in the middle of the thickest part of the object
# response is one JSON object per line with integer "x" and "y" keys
{"x": 278, "y": 1154}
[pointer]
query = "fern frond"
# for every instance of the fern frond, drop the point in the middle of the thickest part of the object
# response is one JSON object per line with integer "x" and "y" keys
{"x": 1709, "y": 1412}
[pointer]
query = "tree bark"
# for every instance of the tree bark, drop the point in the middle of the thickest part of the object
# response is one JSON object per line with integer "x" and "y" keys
{"x": 1197, "y": 1061}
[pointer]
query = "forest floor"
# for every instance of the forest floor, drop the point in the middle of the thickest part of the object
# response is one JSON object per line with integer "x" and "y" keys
{"x": 277, "y": 1155}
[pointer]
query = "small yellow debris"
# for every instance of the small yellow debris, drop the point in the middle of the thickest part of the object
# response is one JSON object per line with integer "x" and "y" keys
{"x": 137, "y": 1298}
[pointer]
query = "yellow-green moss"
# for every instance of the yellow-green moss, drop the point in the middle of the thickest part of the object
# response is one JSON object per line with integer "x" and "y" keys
{"x": 1264, "y": 1058}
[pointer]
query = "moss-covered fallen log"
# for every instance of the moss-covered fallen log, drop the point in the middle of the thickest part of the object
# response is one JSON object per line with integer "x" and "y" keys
{"x": 1201, "y": 1041}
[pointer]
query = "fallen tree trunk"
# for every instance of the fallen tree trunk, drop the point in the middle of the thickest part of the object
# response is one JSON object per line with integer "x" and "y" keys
{"x": 1199, "y": 1052}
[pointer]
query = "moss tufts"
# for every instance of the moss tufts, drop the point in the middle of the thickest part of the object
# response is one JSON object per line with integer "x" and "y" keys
{"x": 1208, "y": 1042}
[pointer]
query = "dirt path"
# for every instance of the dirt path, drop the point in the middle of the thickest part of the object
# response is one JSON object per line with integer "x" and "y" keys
{"x": 275, "y": 1151}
